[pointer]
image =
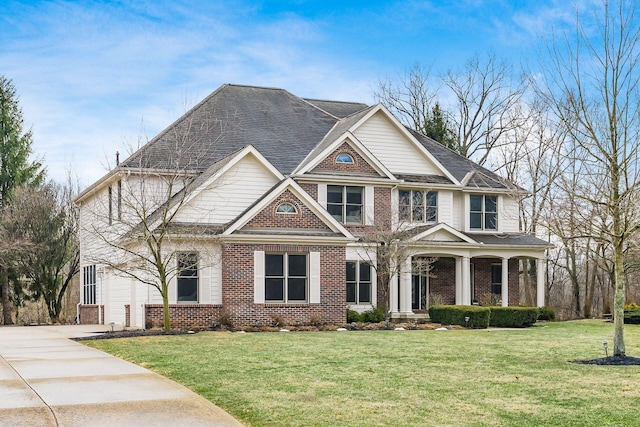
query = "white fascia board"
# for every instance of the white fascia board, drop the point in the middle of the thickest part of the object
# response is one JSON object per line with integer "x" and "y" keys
{"x": 407, "y": 134}
{"x": 378, "y": 182}
{"x": 354, "y": 143}
{"x": 314, "y": 206}
{"x": 446, "y": 228}
{"x": 277, "y": 238}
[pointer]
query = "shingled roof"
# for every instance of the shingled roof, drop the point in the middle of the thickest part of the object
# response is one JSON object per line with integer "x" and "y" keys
{"x": 284, "y": 128}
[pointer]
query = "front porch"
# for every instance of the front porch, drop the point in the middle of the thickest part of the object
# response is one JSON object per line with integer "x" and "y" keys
{"x": 445, "y": 278}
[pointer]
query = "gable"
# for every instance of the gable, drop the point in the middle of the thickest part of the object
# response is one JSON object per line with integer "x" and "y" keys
{"x": 393, "y": 148}
{"x": 230, "y": 194}
{"x": 359, "y": 167}
{"x": 303, "y": 218}
{"x": 441, "y": 236}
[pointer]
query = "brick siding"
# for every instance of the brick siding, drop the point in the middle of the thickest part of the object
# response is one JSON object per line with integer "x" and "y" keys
{"x": 359, "y": 167}
{"x": 89, "y": 314}
{"x": 303, "y": 218}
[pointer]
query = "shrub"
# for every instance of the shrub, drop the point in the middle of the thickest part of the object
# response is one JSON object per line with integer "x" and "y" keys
{"x": 513, "y": 317}
{"x": 546, "y": 313}
{"x": 353, "y": 316}
{"x": 631, "y": 306}
{"x": 455, "y": 315}
{"x": 632, "y": 317}
{"x": 376, "y": 315}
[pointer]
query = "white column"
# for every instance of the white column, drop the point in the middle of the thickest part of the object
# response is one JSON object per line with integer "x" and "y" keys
{"x": 505, "y": 282}
{"x": 458, "y": 281}
{"x": 405, "y": 287}
{"x": 133, "y": 303}
{"x": 540, "y": 268}
{"x": 393, "y": 290}
{"x": 466, "y": 280}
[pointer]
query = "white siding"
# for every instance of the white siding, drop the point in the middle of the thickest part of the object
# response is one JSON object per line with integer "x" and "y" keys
{"x": 392, "y": 148}
{"x": 119, "y": 296}
{"x": 445, "y": 207}
{"x": 216, "y": 275}
{"x": 508, "y": 215}
{"x": 258, "y": 277}
{"x": 314, "y": 277}
{"x": 230, "y": 194}
{"x": 457, "y": 213}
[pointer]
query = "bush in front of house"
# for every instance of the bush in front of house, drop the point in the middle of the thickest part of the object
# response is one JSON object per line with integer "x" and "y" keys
{"x": 546, "y": 313}
{"x": 376, "y": 315}
{"x": 513, "y": 317}
{"x": 455, "y": 315}
{"x": 353, "y": 316}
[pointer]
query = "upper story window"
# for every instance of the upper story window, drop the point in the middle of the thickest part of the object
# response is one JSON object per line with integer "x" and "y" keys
{"x": 187, "y": 281}
{"x": 418, "y": 205}
{"x": 344, "y": 158}
{"x": 483, "y": 212}
{"x": 285, "y": 277}
{"x": 344, "y": 203}
{"x": 286, "y": 208}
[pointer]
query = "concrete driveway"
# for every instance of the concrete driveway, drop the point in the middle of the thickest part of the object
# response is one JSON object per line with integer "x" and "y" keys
{"x": 46, "y": 379}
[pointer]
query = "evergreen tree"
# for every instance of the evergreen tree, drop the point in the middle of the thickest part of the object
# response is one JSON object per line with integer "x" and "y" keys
{"x": 15, "y": 167}
{"x": 438, "y": 127}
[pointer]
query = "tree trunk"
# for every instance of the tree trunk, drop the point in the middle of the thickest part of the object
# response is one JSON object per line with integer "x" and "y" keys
{"x": 6, "y": 299}
{"x": 165, "y": 307}
{"x": 618, "y": 300}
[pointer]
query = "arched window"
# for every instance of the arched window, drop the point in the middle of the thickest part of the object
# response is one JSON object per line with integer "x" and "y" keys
{"x": 286, "y": 208}
{"x": 344, "y": 158}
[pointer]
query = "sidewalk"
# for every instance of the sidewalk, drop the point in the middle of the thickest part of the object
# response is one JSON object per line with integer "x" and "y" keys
{"x": 47, "y": 379}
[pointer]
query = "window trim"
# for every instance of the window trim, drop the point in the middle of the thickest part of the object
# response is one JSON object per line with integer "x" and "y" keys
{"x": 483, "y": 213}
{"x": 285, "y": 278}
{"x": 180, "y": 277}
{"x": 345, "y": 158}
{"x": 295, "y": 209}
{"x": 344, "y": 203}
{"x": 89, "y": 284}
{"x": 358, "y": 282}
{"x": 425, "y": 207}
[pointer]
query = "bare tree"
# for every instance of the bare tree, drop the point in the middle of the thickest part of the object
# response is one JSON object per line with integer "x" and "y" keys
{"x": 591, "y": 83}
{"x": 487, "y": 106}
{"x": 411, "y": 98}
{"x": 46, "y": 218}
{"x": 138, "y": 223}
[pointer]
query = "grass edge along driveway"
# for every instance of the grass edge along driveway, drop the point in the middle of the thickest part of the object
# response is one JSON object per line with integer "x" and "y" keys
{"x": 518, "y": 377}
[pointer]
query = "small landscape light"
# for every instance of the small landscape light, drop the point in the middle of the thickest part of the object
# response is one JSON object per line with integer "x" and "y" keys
{"x": 112, "y": 324}
{"x": 466, "y": 321}
{"x": 605, "y": 345}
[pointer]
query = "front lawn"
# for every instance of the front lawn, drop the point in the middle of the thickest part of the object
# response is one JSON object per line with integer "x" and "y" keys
{"x": 403, "y": 378}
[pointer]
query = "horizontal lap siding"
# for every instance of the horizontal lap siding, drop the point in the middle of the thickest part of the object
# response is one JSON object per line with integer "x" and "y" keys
{"x": 392, "y": 148}
{"x": 229, "y": 195}
{"x": 509, "y": 215}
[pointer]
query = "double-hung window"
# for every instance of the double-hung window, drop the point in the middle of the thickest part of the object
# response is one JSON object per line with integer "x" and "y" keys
{"x": 483, "y": 213}
{"x": 286, "y": 277}
{"x": 344, "y": 203}
{"x": 89, "y": 284}
{"x": 358, "y": 282}
{"x": 418, "y": 205}
{"x": 187, "y": 281}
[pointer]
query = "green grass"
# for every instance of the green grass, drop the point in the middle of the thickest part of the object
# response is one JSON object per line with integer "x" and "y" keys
{"x": 411, "y": 378}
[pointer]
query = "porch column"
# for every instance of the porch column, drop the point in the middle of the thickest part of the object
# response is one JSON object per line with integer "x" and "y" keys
{"x": 466, "y": 280}
{"x": 405, "y": 287}
{"x": 458, "y": 281}
{"x": 541, "y": 270}
{"x": 505, "y": 282}
{"x": 393, "y": 290}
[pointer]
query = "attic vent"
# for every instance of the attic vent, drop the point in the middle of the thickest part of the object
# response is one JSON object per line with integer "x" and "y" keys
{"x": 344, "y": 158}
{"x": 286, "y": 208}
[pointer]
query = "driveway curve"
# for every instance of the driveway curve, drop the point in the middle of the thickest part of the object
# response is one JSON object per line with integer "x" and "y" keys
{"x": 46, "y": 379}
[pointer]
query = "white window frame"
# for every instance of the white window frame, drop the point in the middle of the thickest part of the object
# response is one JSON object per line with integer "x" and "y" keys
{"x": 358, "y": 282}
{"x": 483, "y": 213}
{"x": 344, "y": 204}
{"x": 90, "y": 281}
{"x": 180, "y": 276}
{"x": 285, "y": 278}
{"x": 425, "y": 208}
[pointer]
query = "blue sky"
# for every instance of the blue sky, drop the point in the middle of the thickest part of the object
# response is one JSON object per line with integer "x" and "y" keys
{"x": 96, "y": 76}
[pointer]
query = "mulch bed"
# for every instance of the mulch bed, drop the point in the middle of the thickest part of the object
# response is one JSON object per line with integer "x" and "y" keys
{"x": 612, "y": 361}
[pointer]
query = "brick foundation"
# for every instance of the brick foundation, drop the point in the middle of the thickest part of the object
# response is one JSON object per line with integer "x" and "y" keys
{"x": 183, "y": 316}
{"x": 89, "y": 314}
